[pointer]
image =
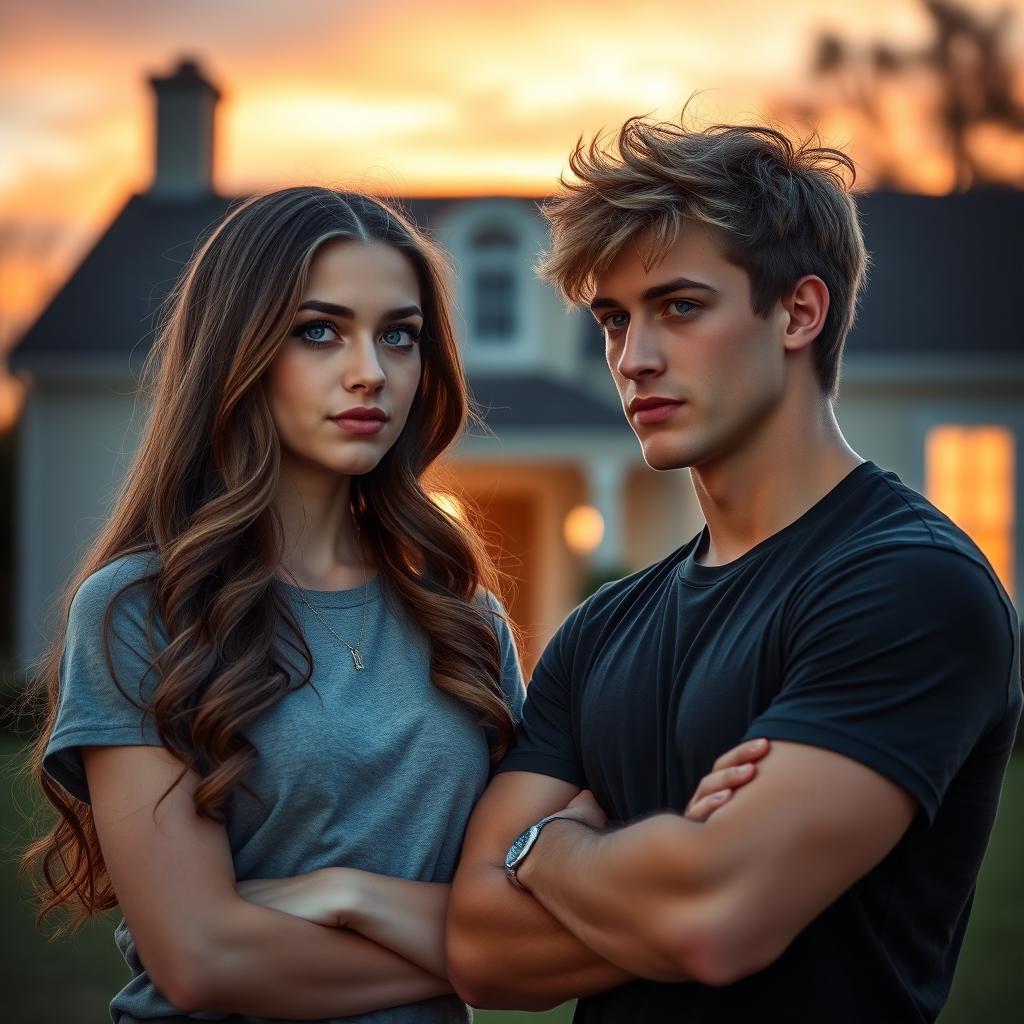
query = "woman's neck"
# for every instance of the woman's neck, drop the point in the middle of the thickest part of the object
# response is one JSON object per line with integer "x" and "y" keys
{"x": 321, "y": 544}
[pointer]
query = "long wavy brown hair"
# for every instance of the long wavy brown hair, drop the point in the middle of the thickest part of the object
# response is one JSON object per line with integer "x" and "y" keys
{"x": 200, "y": 496}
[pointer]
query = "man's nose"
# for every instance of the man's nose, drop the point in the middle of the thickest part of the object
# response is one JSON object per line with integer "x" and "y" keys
{"x": 641, "y": 354}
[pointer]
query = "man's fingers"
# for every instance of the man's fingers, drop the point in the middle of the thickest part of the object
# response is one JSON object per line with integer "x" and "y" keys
{"x": 745, "y": 753}
{"x": 727, "y": 778}
{"x": 701, "y": 810}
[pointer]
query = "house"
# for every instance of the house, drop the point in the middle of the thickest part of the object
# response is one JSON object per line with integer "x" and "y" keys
{"x": 932, "y": 387}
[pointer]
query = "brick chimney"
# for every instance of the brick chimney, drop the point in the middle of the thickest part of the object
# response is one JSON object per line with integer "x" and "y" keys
{"x": 185, "y": 106}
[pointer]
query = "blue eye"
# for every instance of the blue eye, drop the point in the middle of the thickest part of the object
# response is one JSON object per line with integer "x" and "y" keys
{"x": 677, "y": 305}
{"x": 400, "y": 337}
{"x": 316, "y": 332}
{"x": 615, "y": 321}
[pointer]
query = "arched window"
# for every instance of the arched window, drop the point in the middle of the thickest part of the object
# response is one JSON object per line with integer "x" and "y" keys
{"x": 495, "y": 277}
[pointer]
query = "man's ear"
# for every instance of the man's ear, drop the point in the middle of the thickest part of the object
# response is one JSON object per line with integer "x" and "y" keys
{"x": 806, "y": 307}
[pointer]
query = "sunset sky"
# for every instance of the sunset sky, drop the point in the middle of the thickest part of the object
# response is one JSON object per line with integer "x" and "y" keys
{"x": 446, "y": 97}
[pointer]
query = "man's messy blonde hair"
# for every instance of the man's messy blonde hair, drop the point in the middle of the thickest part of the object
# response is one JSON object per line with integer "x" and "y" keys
{"x": 781, "y": 210}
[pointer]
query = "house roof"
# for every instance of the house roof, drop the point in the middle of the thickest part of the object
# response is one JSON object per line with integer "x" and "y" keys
{"x": 524, "y": 401}
{"x": 946, "y": 274}
{"x": 108, "y": 306}
{"x": 945, "y": 278}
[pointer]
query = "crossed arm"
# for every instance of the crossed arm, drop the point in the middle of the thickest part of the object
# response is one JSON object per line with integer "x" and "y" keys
{"x": 664, "y": 898}
{"x": 328, "y": 943}
{"x": 208, "y": 948}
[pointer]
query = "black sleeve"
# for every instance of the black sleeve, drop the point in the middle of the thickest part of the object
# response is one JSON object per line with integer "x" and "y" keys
{"x": 545, "y": 739}
{"x": 901, "y": 660}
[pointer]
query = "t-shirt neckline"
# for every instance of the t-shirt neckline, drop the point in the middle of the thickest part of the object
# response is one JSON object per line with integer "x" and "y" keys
{"x": 352, "y": 597}
{"x": 691, "y": 571}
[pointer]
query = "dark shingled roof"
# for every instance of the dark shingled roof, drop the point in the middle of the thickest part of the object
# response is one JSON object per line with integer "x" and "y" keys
{"x": 535, "y": 400}
{"x": 108, "y": 305}
{"x": 945, "y": 278}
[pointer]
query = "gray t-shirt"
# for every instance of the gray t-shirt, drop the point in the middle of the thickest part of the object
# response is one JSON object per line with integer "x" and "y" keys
{"x": 376, "y": 770}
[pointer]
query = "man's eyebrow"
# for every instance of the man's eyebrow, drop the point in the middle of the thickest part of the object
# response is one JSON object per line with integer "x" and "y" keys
{"x": 677, "y": 284}
{"x": 348, "y": 314}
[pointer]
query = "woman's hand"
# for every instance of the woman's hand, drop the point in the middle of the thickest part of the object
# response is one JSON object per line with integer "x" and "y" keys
{"x": 404, "y": 916}
{"x": 730, "y": 772}
{"x": 324, "y": 897}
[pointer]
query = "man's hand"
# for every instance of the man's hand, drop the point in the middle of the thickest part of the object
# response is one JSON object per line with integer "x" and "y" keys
{"x": 667, "y": 901}
{"x": 730, "y": 772}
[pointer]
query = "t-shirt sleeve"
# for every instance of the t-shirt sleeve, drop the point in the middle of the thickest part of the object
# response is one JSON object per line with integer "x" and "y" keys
{"x": 96, "y": 708}
{"x": 545, "y": 740}
{"x": 901, "y": 660}
{"x": 512, "y": 685}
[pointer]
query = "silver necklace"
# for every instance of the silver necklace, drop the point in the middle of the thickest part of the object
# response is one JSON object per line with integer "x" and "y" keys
{"x": 357, "y": 654}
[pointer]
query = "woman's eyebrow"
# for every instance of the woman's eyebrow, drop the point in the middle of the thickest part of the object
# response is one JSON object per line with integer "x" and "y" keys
{"x": 346, "y": 313}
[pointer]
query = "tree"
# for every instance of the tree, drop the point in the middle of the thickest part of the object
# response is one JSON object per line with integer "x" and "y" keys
{"x": 963, "y": 73}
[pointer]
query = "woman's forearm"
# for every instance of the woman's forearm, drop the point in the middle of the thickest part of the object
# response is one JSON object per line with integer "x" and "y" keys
{"x": 271, "y": 964}
{"x": 406, "y": 917}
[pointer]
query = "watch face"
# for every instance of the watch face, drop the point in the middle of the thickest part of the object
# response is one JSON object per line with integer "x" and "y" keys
{"x": 520, "y": 846}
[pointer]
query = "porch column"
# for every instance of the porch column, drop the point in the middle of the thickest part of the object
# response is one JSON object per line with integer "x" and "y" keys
{"x": 606, "y": 482}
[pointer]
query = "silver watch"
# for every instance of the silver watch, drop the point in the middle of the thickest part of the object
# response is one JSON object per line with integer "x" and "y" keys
{"x": 521, "y": 847}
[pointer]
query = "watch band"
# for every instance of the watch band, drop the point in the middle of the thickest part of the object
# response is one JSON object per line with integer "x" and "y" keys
{"x": 524, "y": 843}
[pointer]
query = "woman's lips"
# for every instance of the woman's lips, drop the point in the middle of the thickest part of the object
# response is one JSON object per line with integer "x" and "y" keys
{"x": 358, "y": 424}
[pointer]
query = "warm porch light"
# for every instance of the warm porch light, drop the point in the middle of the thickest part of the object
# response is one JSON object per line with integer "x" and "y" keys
{"x": 583, "y": 529}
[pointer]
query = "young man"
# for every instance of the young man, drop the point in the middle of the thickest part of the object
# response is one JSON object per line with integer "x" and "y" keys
{"x": 825, "y": 607}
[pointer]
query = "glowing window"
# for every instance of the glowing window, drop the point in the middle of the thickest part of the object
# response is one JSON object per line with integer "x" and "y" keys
{"x": 969, "y": 474}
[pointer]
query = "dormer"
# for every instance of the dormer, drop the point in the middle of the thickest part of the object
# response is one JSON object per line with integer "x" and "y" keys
{"x": 510, "y": 320}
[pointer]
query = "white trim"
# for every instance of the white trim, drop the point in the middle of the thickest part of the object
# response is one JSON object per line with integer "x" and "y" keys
{"x": 456, "y": 228}
{"x": 932, "y": 367}
{"x": 112, "y": 368}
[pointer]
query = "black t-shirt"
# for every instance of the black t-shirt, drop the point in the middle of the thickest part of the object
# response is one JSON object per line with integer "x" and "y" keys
{"x": 871, "y": 626}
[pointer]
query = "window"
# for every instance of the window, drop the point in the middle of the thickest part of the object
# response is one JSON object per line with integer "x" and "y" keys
{"x": 495, "y": 305}
{"x": 495, "y": 236}
{"x": 495, "y": 256}
{"x": 970, "y": 475}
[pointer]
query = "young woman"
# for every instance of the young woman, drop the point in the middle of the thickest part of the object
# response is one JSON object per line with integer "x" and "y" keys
{"x": 283, "y": 676}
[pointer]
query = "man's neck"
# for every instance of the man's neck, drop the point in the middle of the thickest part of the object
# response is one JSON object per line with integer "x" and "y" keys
{"x": 760, "y": 489}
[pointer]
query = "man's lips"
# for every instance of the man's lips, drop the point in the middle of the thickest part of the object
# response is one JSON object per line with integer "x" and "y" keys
{"x": 647, "y": 411}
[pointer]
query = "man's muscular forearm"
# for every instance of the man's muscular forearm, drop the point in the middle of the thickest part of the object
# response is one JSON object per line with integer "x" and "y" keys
{"x": 505, "y": 951}
{"x": 619, "y": 892}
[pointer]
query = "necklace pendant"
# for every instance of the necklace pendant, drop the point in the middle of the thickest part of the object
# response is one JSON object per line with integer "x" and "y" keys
{"x": 357, "y": 660}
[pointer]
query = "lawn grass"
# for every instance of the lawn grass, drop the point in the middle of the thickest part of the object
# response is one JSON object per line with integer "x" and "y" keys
{"x": 70, "y": 981}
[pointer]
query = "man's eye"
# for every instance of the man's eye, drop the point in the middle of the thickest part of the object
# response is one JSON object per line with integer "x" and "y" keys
{"x": 316, "y": 332}
{"x": 682, "y": 306}
{"x": 615, "y": 321}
